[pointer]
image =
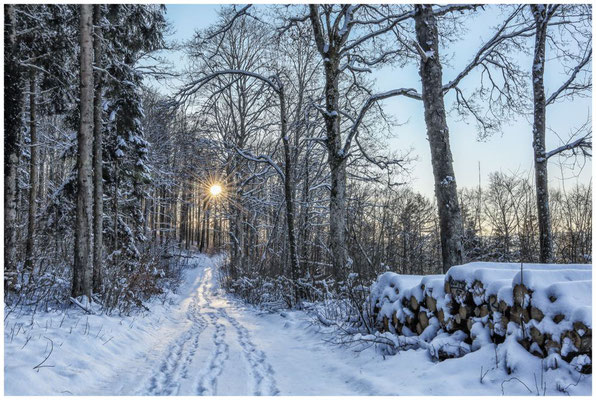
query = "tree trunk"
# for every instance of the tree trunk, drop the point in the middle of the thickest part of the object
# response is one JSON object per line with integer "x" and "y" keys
{"x": 304, "y": 219}
{"x": 290, "y": 194}
{"x": 205, "y": 229}
{"x": 199, "y": 215}
{"x": 235, "y": 228}
{"x": 450, "y": 220}
{"x": 338, "y": 213}
{"x": 189, "y": 211}
{"x": 42, "y": 157}
{"x": 81, "y": 284}
{"x": 539, "y": 136}
{"x": 33, "y": 173}
{"x": 116, "y": 195}
{"x": 336, "y": 159}
{"x": 12, "y": 126}
{"x": 97, "y": 157}
{"x": 182, "y": 229}
{"x": 337, "y": 165}
{"x": 158, "y": 208}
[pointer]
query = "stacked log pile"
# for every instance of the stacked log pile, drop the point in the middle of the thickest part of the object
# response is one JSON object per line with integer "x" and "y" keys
{"x": 554, "y": 310}
{"x": 548, "y": 305}
{"x": 388, "y": 292}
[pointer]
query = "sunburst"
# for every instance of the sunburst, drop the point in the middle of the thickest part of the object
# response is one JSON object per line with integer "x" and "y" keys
{"x": 215, "y": 190}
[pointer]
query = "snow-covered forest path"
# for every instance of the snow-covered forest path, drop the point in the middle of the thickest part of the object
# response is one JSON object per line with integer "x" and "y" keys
{"x": 213, "y": 352}
{"x": 213, "y": 345}
{"x": 202, "y": 341}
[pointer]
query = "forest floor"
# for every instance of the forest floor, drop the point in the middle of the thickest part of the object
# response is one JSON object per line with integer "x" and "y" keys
{"x": 202, "y": 341}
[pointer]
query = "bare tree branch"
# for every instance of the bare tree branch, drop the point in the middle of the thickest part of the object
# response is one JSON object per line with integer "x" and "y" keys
{"x": 553, "y": 97}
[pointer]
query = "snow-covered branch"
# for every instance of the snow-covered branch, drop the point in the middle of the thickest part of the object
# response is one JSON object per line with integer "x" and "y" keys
{"x": 584, "y": 144}
{"x": 196, "y": 85}
{"x": 396, "y": 20}
{"x": 567, "y": 85}
{"x": 230, "y": 23}
{"x": 260, "y": 159}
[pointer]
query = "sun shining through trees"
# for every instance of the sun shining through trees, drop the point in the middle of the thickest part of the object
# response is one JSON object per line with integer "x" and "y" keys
{"x": 215, "y": 187}
{"x": 215, "y": 190}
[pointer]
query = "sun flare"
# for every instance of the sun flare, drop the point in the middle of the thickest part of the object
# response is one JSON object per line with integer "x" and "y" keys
{"x": 215, "y": 190}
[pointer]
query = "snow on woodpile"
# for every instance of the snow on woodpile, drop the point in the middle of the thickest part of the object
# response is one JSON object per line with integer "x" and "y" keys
{"x": 545, "y": 309}
{"x": 560, "y": 317}
{"x": 386, "y": 294}
{"x": 472, "y": 278}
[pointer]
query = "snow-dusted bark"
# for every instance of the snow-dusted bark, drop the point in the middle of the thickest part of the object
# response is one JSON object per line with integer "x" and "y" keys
{"x": 12, "y": 125}
{"x": 82, "y": 272}
{"x": 556, "y": 15}
{"x": 450, "y": 219}
{"x": 97, "y": 155}
{"x": 333, "y": 142}
{"x": 33, "y": 171}
{"x": 539, "y": 133}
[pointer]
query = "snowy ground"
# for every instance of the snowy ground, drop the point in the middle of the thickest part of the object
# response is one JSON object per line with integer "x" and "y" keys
{"x": 202, "y": 342}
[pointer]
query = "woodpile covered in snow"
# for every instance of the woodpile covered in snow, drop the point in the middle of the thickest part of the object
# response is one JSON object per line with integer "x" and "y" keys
{"x": 545, "y": 308}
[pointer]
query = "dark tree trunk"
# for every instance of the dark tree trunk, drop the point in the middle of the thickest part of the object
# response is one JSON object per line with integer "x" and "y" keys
{"x": 539, "y": 136}
{"x": 338, "y": 211}
{"x": 304, "y": 218}
{"x": 33, "y": 173}
{"x": 290, "y": 193}
{"x": 450, "y": 220}
{"x": 336, "y": 159}
{"x": 115, "y": 198}
{"x": 82, "y": 277}
{"x": 183, "y": 218}
{"x": 97, "y": 157}
{"x": 159, "y": 209}
{"x": 12, "y": 126}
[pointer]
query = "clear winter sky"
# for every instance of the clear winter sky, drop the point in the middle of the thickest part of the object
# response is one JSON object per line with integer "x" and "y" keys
{"x": 509, "y": 151}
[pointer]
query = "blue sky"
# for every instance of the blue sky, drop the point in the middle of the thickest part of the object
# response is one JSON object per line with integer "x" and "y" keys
{"x": 509, "y": 151}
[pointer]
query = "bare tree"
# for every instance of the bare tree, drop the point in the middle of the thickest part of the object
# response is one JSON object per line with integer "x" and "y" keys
{"x": 438, "y": 136}
{"x": 277, "y": 86}
{"x": 545, "y": 16}
{"x": 331, "y": 28}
